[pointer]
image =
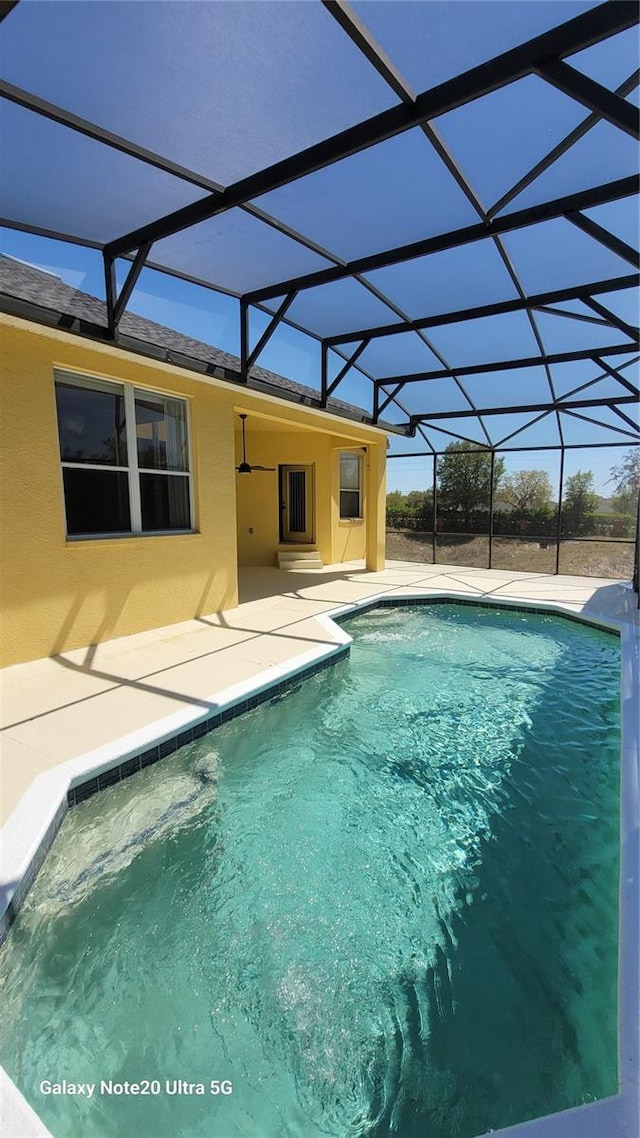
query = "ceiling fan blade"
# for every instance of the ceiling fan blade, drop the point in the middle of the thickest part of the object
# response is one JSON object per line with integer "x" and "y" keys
{"x": 263, "y": 468}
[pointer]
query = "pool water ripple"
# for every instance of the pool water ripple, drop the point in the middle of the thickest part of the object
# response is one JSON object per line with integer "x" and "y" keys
{"x": 385, "y": 906}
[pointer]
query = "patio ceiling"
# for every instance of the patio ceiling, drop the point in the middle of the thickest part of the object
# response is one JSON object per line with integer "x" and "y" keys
{"x": 442, "y": 193}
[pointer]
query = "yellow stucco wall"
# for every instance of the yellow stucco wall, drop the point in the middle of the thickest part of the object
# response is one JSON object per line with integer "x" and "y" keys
{"x": 258, "y": 499}
{"x": 58, "y": 594}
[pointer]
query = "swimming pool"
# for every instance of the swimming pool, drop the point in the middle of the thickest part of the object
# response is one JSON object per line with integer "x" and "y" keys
{"x": 386, "y": 903}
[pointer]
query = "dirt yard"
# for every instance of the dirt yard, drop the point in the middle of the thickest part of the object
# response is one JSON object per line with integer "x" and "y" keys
{"x": 577, "y": 558}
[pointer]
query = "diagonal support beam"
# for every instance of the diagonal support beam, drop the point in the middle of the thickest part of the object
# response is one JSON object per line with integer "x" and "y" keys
{"x": 330, "y": 388}
{"x": 6, "y": 6}
{"x": 626, "y": 419}
{"x": 389, "y": 398}
{"x": 116, "y": 303}
{"x": 626, "y": 383}
{"x": 569, "y": 315}
{"x": 598, "y": 379}
{"x": 605, "y": 426}
{"x": 131, "y": 281}
{"x": 627, "y": 252}
{"x": 268, "y": 332}
{"x": 588, "y": 28}
{"x": 463, "y": 438}
{"x": 592, "y": 95}
{"x": 524, "y": 427}
{"x": 611, "y": 318}
{"x": 562, "y": 147}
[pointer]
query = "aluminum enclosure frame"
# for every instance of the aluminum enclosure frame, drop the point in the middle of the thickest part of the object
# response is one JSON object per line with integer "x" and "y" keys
{"x": 549, "y": 57}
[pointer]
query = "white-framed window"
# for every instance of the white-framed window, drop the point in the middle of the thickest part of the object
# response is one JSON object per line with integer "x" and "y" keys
{"x": 125, "y": 458}
{"x": 350, "y": 485}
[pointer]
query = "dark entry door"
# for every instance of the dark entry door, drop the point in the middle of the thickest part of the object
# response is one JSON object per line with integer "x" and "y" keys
{"x": 296, "y": 504}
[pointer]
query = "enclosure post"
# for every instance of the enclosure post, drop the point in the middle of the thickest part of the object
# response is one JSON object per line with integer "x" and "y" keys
{"x": 637, "y": 566}
{"x": 324, "y": 373}
{"x": 560, "y": 510}
{"x": 111, "y": 293}
{"x": 435, "y": 507}
{"x": 493, "y": 466}
{"x": 244, "y": 340}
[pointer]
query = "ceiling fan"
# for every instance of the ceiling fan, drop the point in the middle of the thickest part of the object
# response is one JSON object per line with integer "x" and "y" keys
{"x": 244, "y": 467}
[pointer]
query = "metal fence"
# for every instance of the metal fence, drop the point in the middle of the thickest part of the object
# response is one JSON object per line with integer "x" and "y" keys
{"x": 555, "y": 539}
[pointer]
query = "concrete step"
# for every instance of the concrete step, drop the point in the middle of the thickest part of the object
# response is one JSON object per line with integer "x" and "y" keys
{"x": 299, "y": 559}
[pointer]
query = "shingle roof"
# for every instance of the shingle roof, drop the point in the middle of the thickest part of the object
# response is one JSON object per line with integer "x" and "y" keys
{"x": 23, "y": 282}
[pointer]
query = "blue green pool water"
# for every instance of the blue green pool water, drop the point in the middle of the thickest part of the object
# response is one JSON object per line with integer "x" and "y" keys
{"x": 386, "y": 904}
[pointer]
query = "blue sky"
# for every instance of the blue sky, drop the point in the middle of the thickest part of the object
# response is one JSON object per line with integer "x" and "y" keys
{"x": 292, "y": 78}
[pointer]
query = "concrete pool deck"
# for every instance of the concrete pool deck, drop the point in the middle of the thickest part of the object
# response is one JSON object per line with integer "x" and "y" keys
{"x": 55, "y": 710}
{"x": 66, "y": 718}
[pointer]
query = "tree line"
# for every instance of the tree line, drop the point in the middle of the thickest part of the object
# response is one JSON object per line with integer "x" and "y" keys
{"x": 523, "y": 501}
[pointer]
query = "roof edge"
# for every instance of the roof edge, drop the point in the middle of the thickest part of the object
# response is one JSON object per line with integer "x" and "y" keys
{"x": 85, "y": 329}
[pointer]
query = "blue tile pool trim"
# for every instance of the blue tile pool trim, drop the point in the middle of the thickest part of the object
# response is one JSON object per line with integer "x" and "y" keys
{"x": 151, "y": 755}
